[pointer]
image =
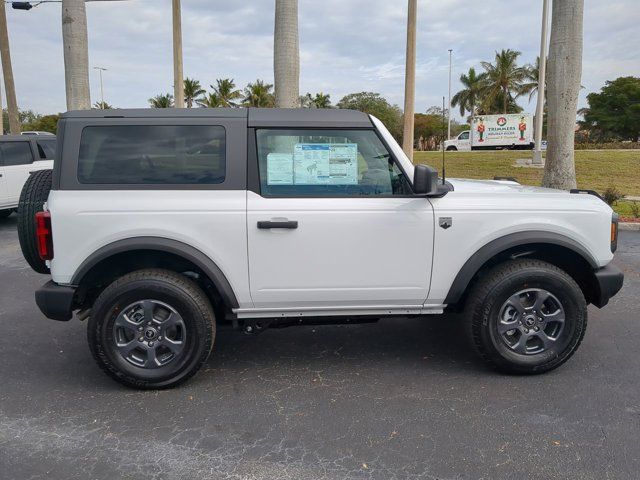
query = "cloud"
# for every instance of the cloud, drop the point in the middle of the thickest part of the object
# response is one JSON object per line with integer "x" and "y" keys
{"x": 346, "y": 45}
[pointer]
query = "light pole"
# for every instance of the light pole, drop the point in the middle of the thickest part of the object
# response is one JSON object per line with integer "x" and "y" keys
{"x": 449, "y": 111}
{"x": 542, "y": 81}
{"x": 100, "y": 70}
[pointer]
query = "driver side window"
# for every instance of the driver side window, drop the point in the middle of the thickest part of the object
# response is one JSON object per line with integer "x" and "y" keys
{"x": 317, "y": 163}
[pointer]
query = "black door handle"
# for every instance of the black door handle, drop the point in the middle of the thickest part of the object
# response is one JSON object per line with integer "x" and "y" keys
{"x": 267, "y": 224}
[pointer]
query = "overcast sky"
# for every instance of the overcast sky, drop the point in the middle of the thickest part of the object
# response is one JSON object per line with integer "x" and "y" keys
{"x": 345, "y": 45}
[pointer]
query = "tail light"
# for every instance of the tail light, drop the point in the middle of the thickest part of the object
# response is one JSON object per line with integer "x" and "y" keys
{"x": 44, "y": 236}
{"x": 614, "y": 233}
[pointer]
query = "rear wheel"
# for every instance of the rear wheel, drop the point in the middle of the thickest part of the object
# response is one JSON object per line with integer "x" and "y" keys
{"x": 151, "y": 329}
{"x": 527, "y": 316}
{"x": 32, "y": 198}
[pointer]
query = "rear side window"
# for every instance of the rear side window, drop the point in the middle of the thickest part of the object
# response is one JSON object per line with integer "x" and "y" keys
{"x": 46, "y": 149}
{"x": 152, "y": 155}
{"x": 15, "y": 153}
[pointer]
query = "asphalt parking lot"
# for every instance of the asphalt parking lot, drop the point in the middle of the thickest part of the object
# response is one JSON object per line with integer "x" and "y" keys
{"x": 399, "y": 399}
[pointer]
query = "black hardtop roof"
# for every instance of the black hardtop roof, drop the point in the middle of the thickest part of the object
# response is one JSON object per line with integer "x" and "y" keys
{"x": 256, "y": 117}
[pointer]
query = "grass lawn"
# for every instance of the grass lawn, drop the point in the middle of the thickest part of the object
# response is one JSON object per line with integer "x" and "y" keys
{"x": 595, "y": 169}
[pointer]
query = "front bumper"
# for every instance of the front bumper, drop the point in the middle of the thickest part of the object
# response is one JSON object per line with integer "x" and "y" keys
{"x": 609, "y": 281}
{"x": 56, "y": 301}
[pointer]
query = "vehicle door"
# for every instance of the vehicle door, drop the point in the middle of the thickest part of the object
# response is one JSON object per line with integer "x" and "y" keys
{"x": 333, "y": 222}
{"x": 18, "y": 158}
{"x": 464, "y": 141}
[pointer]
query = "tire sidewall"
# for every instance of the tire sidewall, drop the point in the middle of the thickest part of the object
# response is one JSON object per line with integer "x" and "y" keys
{"x": 199, "y": 333}
{"x": 568, "y": 294}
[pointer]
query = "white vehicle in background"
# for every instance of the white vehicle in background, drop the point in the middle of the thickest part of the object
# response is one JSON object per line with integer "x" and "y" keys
{"x": 496, "y": 132}
{"x": 38, "y": 132}
{"x": 19, "y": 156}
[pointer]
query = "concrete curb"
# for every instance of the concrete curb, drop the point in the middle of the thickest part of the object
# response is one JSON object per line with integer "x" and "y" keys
{"x": 629, "y": 227}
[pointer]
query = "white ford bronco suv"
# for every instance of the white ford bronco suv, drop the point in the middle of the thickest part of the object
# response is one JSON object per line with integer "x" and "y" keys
{"x": 157, "y": 225}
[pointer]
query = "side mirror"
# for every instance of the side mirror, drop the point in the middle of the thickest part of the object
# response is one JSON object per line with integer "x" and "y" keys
{"x": 425, "y": 180}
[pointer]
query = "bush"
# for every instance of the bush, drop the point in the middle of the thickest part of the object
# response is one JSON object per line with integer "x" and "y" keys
{"x": 635, "y": 209}
{"x": 611, "y": 195}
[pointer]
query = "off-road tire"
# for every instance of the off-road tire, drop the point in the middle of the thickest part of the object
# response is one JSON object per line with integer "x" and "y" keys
{"x": 496, "y": 286}
{"x": 174, "y": 289}
{"x": 32, "y": 198}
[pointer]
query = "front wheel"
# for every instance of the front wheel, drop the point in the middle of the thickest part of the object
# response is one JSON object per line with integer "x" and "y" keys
{"x": 151, "y": 329}
{"x": 527, "y": 316}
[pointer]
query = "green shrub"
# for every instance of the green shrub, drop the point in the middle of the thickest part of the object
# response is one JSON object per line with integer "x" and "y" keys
{"x": 635, "y": 209}
{"x": 611, "y": 195}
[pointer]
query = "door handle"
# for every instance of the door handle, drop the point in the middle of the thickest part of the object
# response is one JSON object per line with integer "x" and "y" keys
{"x": 268, "y": 224}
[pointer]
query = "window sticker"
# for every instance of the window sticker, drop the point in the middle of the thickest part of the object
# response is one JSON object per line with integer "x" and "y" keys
{"x": 279, "y": 169}
{"x": 325, "y": 164}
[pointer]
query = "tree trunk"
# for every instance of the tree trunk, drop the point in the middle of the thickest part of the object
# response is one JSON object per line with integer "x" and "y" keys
{"x": 9, "y": 86}
{"x": 178, "y": 77}
{"x": 76, "y": 54}
{"x": 410, "y": 81}
{"x": 505, "y": 101}
{"x": 286, "y": 55}
{"x": 563, "y": 82}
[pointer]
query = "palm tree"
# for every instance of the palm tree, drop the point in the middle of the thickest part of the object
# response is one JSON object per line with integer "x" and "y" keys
{"x": 503, "y": 78}
{"x": 226, "y": 92}
{"x": 320, "y": 100}
{"x": 76, "y": 54}
{"x": 10, "y": 88}
{"x": 470, "y": 95}
{"x": 530, "y": 85}
{"x": 286, "y": 54}
{"x": 161, "y": 101}
{"x": 192, "y": 90}
{"x": 103, "y": 106}
{"x": 410, "y": 81}
{"x": 259, "y": 94}
{"x": 565, "y": 68}
{"x": 210, "y": 100}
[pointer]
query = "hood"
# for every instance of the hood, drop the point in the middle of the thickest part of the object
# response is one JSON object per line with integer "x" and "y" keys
{"x": 498, "y": 186}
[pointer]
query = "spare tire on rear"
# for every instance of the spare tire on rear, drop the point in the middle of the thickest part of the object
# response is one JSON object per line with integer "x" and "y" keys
{"x": 32, "y": 198}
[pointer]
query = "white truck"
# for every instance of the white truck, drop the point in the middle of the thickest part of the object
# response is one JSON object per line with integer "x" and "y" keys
{"x": 495, "y": 132}
{"x": 158, "y": 225}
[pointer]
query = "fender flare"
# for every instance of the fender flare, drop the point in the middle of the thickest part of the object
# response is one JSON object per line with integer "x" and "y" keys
{"x": 501, "y": 244}
{"x": 202, "y": 261}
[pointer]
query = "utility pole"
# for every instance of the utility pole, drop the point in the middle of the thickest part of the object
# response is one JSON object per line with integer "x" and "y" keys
{"x": 9, "y": 85}
{"x": 542, "y": 81}
{"x": 410, "y": 80}
{"x": 449, "y": 110}
{"x": 76, "y": 54}
{"x": 178, "y": 78}
{"x": 101, "y": 69}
